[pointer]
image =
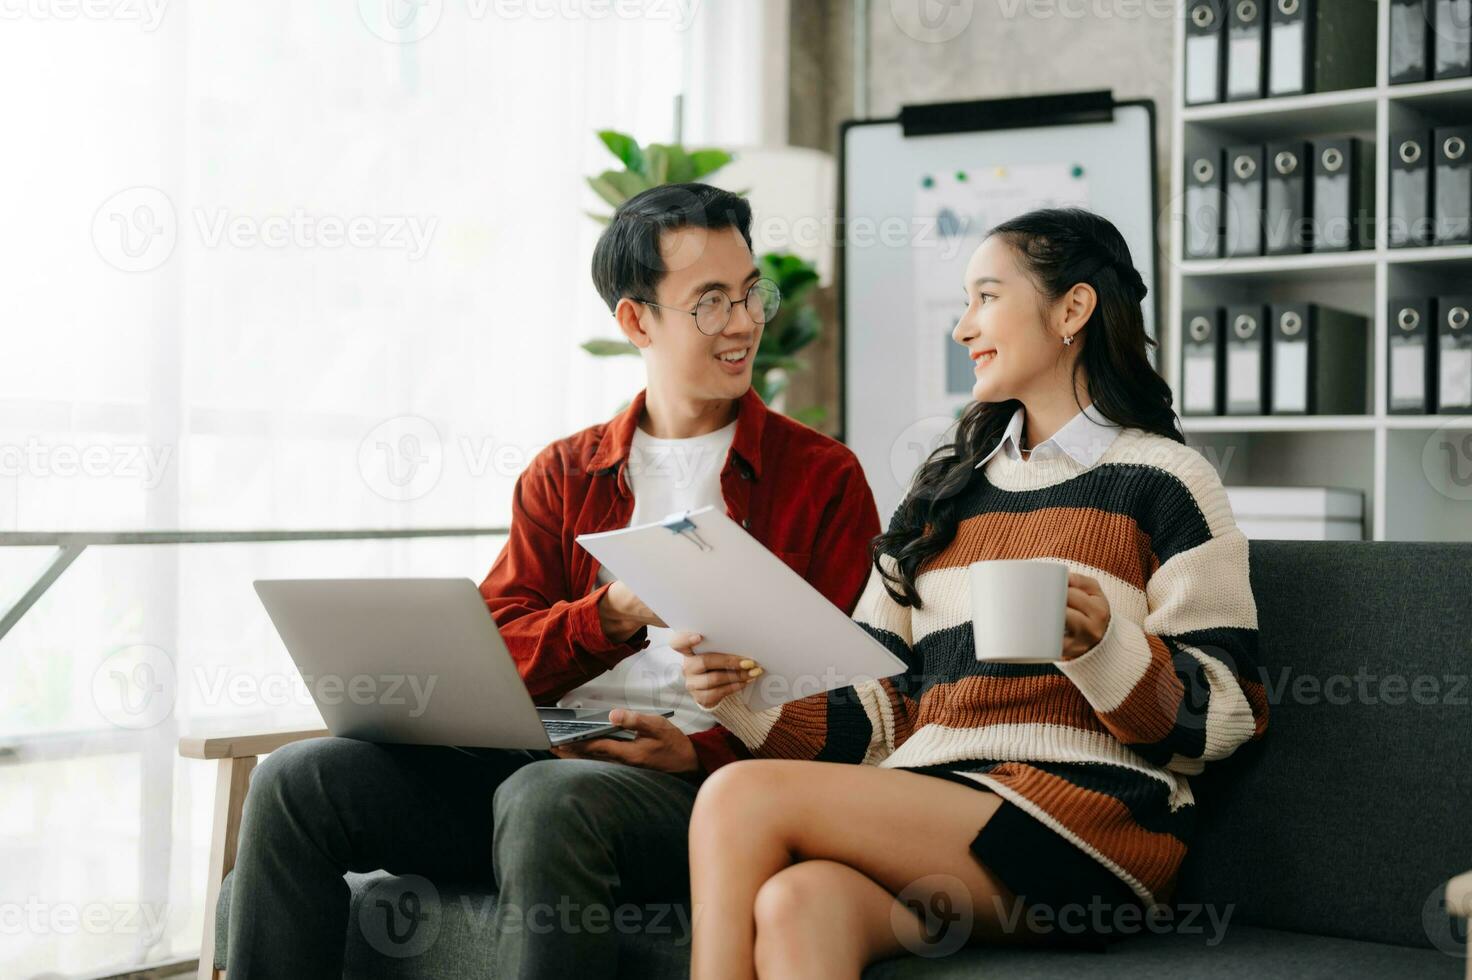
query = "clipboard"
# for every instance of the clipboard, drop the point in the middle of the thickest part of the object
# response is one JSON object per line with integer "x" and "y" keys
{"x": 700, "y": 571}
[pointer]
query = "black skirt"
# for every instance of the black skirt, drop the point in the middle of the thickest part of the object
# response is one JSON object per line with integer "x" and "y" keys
{"x": 1067, "y": 898}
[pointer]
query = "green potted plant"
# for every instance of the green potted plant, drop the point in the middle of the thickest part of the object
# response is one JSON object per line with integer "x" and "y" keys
{"x": 796, "y": 325}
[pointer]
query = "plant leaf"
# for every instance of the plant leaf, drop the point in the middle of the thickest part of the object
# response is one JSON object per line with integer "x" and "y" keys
{"x": 813, "y": 415}
{"x": 767, "y": 362}
{"x": 796, "y": 286}
{"x": 680, "y": 169}
{"x": 704, "y": 162}
{"x": 609, "y": 348}
{"x": 627, "y": 182}
{"x": 606, "y": 189}
{"x": 657, "y": 165}
{"x": 625, "y": 147}
{"x": 792, "y": 272}
{"x": 804, "y": 328}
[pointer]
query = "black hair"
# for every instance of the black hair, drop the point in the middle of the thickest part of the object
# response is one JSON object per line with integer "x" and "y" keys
{"x": 626, "y": 260}
{"x": 1058, "y": 248}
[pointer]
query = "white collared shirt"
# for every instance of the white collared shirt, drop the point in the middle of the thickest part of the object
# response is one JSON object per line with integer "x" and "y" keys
{"x": 1084, "y": 438}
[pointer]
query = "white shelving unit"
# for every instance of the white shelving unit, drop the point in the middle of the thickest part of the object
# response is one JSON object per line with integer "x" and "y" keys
{"x": 1415, "y": 470}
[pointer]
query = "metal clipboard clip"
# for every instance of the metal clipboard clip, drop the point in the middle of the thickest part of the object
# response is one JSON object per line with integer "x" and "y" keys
{"x": 682, "y": 525}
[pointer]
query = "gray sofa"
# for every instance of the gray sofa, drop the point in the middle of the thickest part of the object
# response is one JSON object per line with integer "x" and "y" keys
{"x": 1329, "y": 844}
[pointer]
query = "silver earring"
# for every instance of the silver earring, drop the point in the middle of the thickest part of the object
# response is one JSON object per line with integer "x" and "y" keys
{"x": 1068, "y": 341}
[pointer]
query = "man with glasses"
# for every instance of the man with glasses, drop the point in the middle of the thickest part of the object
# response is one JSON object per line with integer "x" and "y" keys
{"x": 587, "y": 843}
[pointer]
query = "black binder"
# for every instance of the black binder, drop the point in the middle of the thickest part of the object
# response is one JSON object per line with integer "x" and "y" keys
{"x": 1410, "y": 40}
{"x": 1454, "y": 354}
{"x": 1243, "y": 223}
{"x": 1248, "y": 361}
{"x": 1247, "y": 41}
{"x": 1411, "y": 386}
{"x": 1452, "y": 185}
{"x": 1343, "y": 196}
{"x": 1451, "y": 39}
{"x": 1205, "y": 205}
{"x": 1410, "y": 189}
{"x": 1206, "y": 51}
{"x": 1318, "y": 359}
{"x": 1287, "y": 216}
{"x": 1202, "y": 361}
{"x": 1320, "y": 45}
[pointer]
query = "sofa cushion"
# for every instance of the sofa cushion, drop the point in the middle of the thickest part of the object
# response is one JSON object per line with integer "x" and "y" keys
{"x": 1244, "y": 951}
{"x": 1351, "y": 813}
{"x": 454, "y": 935}
{"x": 460, "y": 940}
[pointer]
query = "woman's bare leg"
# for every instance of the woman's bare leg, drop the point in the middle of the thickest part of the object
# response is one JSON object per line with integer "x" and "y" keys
{"x": 754, "y": 819}
{"x": 821, "y": 919}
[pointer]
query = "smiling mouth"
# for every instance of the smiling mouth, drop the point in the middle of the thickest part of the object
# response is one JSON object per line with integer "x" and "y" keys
{"x": 984, "y": 357}
{"x": 734, "y": 357}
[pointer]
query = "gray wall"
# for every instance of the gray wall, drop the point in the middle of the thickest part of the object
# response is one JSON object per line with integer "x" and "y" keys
{"x": 985, "y": 49}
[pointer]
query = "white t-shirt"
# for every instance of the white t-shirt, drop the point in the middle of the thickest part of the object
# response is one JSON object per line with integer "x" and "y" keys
{"x": 667, "y": 476}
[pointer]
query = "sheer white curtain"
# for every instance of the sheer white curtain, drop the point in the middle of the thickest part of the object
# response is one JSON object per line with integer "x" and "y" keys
{"x": 267, "y": 266}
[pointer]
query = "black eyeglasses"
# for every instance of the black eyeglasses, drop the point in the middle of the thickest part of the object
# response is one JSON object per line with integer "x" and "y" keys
{"x": 713, "y": 310}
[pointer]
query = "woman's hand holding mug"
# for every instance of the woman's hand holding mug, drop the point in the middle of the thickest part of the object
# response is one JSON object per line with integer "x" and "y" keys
{"x": 1086, "y": 617}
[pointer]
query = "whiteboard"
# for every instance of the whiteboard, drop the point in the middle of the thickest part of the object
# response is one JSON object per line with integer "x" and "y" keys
{"x": 914, "y": 209}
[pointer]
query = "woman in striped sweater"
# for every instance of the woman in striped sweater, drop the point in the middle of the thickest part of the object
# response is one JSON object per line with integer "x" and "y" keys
{"x": 1000, "y": 802}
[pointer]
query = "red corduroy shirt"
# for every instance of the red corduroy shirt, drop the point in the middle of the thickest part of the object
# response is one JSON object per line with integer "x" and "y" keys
{"x": 797, "y": 491}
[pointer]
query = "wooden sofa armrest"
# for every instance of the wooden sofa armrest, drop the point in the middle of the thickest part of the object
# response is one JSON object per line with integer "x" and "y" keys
{"x": 1459, "y": 895}
{"x": 239, "y": 745}
{"x": 1459, "y": 903}
{"x": 235, "y": 756}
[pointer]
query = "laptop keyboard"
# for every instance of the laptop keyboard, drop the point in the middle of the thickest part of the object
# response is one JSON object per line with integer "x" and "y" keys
{"x": 556, "y": 729}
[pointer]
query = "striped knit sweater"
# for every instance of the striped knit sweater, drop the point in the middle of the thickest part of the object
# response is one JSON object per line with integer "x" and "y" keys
{"x": 1097, "y": 748}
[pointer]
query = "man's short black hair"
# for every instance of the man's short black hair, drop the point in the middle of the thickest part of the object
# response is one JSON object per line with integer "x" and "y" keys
{"x": 626, "y": 260}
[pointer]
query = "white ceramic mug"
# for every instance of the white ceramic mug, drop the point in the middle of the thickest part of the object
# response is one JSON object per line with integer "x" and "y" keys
{"x": 1017, "y": 610}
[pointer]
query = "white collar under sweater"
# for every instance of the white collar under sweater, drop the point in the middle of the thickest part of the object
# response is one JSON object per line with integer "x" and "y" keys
{"x": 1084, "y": 438}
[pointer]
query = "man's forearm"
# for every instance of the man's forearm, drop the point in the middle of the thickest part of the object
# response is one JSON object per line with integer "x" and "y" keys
{"x": 617, "y": 626}
{"x": 562, "y": 647}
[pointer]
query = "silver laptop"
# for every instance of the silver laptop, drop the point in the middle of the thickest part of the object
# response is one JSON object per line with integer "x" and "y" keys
{"x": 416, "y": 660}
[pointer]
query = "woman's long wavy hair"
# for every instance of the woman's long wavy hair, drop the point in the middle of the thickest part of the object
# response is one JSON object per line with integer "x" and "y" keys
{"x": 1058, "y": 248}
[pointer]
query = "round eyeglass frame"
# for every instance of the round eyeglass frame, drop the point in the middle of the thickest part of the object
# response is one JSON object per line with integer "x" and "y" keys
{"x": 725, "y": 305}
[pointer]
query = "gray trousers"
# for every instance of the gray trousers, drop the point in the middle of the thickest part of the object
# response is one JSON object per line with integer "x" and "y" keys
{"x": 556, "y": 837}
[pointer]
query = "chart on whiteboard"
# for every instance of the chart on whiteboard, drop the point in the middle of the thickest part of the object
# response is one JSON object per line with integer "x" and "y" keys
{"x": 954, "y": 211}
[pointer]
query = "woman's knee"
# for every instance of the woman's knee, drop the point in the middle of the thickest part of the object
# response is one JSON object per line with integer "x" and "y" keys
{"x": 796, "y": 896}
{"x": 796, "y": 913}
{"x": 740, "y": 794}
